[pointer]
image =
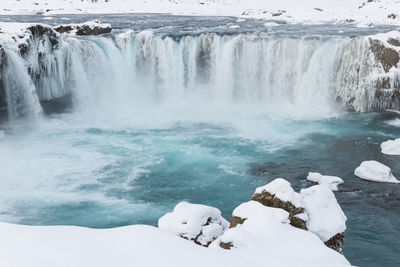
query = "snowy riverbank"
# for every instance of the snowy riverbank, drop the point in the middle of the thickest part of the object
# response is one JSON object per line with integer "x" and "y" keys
{"x": 362, "y": 12}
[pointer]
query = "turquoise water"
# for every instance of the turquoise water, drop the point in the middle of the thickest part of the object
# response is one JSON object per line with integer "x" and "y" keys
{"x": 106, "y": 173}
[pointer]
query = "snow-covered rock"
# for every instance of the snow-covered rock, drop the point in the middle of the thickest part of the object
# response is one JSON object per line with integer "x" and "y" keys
{"x": 280, "y": 194}
{"x": 314, "y": 209}
{"x": 268, "y": 230}
{"x": 326, "y": 218}
{"x": 199, "y": 223}
{"x": 94, "y": 27}
{"x": 391, "y": 147}
{"x": 330, "y": 181}
{"x": 375, "y": 171}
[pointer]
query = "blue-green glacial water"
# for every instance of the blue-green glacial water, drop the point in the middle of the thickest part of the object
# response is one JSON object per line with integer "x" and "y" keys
{"x": 168, "y": 115}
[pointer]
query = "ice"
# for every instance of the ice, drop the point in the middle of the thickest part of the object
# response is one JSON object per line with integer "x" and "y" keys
{"x": 391, "y": 147}
{"x": 375, "y": 171}
{"x": 330, "y": 181}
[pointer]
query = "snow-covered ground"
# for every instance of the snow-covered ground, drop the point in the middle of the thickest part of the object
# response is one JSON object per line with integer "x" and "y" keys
{"x": 361, "y": 11}
{"x": 141, "y": 245}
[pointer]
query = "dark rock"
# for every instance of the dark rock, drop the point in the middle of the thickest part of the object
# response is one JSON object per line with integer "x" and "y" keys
{"x": 3, "y": 97}
{"x": 388, "y": 57}
{"x": 394, "y": 42}
{"x": 336, "y": 242}
{"x": 58, "y": 105}
{"x": 392, "y": 16}
{"x": 95, "y": 28}
{"x": 235, "y": 221}
{"x": 270, "y": 200}
{"x": 227, "y": 246}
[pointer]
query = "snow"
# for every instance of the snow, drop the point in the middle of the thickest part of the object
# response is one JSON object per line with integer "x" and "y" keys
{"x": 326, "y": 218}
{"x": 331, "y": 182}
{"x": 282, "y": 190}
{"x": 323, "y": 217}
{"x": 14, "y": 34}
{"x": 141, "y": 245}
{"x": 375, "y": 171}
{"x": 2, "y": 134}
{"x": 194, "y": 222}
{"x": 267, "y": 230}
{"x": 311, "y": 11}
{"x": 391, "y": 147}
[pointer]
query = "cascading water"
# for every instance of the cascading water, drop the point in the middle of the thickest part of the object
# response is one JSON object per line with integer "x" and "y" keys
{"x": 160, "y": 117}
{"x": 292, "y": 74}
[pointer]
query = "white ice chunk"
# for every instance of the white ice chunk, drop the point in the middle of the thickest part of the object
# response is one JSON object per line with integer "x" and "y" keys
{"x": 391, "y": 147}
{"x": 330, "y": 181}
{"x": 374, "y": 171}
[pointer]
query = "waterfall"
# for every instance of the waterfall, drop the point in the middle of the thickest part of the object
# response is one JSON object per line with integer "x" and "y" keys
{"x": 293, "y": 74}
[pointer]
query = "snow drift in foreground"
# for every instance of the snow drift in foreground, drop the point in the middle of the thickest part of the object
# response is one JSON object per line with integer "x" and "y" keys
{"x": 362, "y": 11}
{"x": 391, "y": 147}
{"x": 375, "y": 171}
{"x": 330, "y": 181}
{"x": 138, "y": 245}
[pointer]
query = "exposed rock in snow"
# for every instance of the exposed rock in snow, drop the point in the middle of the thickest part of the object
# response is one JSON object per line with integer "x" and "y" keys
{"x": 330, "y": 181}
{"x": 94, "y": 27}
{"x": 375, "y": 171}
{"x": 280, "y": 194}
{"x": 387, "y": 56}
{"x": 391, "y": 147}
{"x": 314, "y": 209}
{"x": 199, "y": 223}
{"x": 265, "y": 229}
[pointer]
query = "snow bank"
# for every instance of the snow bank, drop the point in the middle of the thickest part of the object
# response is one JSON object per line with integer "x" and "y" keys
{"x": 267, "y": 230}
{"x": 316, "y": 206}
{"x": 391, "y": 147}
{"x": 140, "y": 245}
{"x": 326, "y": 218}
{"x": 367, "y": 12}
{"x": 375, "y": 171}
{"x": 331, "y": 182}
{"x": 200, "y": 223}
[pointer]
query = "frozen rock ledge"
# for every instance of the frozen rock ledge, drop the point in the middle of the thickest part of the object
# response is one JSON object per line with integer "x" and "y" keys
{"x": 94, "y": 27}
{"x": 375, "y": 171}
